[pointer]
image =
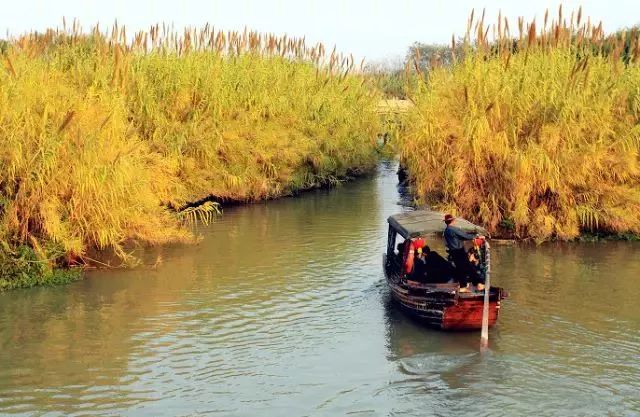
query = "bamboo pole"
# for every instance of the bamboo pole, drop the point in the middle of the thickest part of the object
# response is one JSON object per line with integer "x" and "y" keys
{"x": 484, "y": 335}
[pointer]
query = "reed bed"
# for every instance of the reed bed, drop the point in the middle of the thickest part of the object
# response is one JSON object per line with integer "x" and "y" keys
{"x": 107, "y": 140}
{"x": 534, "y": 134}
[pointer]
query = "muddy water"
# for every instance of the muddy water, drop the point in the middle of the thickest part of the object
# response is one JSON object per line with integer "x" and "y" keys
{"x": 281, "y": 310}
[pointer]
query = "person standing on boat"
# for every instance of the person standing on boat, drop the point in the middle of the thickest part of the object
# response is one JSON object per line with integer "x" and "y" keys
{"x": 454, "y": 238}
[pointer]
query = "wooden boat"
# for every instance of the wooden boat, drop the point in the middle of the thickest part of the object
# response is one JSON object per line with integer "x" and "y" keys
{"x": 441, "y": 306}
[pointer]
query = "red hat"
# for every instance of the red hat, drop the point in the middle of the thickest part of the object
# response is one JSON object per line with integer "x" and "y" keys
{"x": 448, "y": 218}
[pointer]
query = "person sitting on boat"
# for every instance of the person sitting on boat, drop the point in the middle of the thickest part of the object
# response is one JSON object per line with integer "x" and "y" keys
{"x": 431, "y": 268}
{"x": 419, "y": 272}
{"x": 411, "y": 247}
{"x": 400, "y": 250}
{"x": 437, "y": 269}
{"x": 454, "y": 238}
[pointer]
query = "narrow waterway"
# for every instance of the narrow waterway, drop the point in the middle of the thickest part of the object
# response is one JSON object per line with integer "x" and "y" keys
{"x": 281, "y": 310}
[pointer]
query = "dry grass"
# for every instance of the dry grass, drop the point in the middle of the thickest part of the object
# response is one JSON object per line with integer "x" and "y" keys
{"x": 100, "y": 136}
{"x": 536, "y": 134}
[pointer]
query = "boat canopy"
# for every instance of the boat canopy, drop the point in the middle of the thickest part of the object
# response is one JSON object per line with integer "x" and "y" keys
{"x": 425, "y": 222}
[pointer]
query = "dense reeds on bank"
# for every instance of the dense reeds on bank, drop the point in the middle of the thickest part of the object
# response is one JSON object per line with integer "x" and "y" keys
{"x": 534, "y": 133}
{"x": 102, "y": 140}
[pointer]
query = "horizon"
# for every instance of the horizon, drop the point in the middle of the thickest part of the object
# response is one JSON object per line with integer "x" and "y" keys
{"x": 376, "y": 33}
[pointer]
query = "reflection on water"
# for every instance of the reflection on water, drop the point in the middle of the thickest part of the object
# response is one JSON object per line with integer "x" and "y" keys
{"x": 281, "y": 310}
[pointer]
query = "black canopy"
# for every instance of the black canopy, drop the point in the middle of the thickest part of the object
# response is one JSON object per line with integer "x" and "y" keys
{"x": 424, "y": 222}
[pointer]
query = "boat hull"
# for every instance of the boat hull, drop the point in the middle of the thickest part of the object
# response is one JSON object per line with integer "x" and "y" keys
{"x": 442, "y": 306}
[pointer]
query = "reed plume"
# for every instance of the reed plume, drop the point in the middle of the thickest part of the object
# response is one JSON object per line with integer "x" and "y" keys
{"x": 105, "y": 135}
{"x": 538, "y": 139}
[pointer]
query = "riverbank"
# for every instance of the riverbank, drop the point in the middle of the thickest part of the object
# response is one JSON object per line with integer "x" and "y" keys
{"x": 535, "y": 138}
{"x": 107, "y": 138}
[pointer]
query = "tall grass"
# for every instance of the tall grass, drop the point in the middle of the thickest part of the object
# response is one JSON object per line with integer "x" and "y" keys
{"x": 536, "y": 134}
{"x": 103, "y": 138}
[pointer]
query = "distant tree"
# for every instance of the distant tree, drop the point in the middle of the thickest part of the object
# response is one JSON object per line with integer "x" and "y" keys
{"x": 389, "y": 77}
{"x": 427, "y": 55}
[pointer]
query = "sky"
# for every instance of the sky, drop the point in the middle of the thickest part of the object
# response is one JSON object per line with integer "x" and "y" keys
{"x": 375, "y": 29}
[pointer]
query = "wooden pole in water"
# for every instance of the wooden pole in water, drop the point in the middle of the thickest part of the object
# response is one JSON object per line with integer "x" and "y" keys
{"x": 484, "y": 335}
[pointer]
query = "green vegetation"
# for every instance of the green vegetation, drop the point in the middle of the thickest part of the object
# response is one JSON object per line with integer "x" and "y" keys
{"x": 22, "y": 267}
{"x": 536, "y": 136}
{"x": 103, "y": 141}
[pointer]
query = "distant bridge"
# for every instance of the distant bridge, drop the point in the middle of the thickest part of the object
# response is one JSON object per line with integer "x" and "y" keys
{"x": 394, "y": 106}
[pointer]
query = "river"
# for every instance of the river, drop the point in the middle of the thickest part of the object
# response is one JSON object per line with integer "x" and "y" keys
{"x": 281, "y": 309}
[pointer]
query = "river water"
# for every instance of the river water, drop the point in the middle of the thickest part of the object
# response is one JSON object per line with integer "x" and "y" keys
{"x": 282, "y": 310}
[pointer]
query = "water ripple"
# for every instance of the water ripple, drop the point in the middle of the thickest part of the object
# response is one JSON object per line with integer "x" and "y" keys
{"x": 282, "y": 310}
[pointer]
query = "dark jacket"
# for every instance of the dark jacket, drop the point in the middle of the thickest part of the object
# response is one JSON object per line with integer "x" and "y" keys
{"x": 432, "y": 268}
{"x": 438, "y": 269}
{"x": 454, "y": 237}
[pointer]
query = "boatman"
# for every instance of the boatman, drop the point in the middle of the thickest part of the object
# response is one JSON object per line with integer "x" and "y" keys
{"x": 454, "y": 238}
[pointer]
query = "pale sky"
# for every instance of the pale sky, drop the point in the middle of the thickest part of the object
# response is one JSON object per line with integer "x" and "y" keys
{"x": 374, "y": 29}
